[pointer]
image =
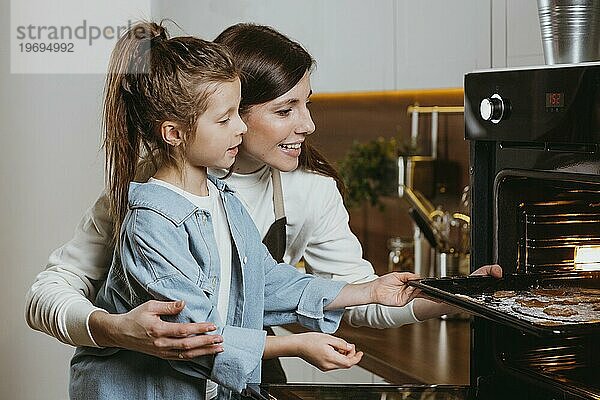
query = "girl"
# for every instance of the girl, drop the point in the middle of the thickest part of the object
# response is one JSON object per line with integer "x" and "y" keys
{"x": 184, "y": 235}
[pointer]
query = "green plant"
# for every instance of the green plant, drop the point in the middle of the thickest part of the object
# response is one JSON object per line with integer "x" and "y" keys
{"x": 369, "y": 171}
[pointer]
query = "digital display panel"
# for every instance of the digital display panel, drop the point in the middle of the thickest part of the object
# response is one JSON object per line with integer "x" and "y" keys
{"x": 555, "y": 100}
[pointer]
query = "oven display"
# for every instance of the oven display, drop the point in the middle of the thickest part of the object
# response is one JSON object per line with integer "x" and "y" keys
{"x": 555, "y": 100}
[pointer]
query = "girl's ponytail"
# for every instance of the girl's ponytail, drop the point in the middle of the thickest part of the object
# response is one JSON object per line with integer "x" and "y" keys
{"x": 152, "y": 79}
{"x": 122, "y": 131}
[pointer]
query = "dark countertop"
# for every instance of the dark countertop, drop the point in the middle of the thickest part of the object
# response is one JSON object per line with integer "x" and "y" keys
{"x": 310, "y": 391}
{"x": 432, "y": 352}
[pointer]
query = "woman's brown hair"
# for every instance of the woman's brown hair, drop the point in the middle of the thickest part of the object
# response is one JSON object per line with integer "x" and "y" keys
{"x": 271, "y": 64}
{"x": 152, "y": 79}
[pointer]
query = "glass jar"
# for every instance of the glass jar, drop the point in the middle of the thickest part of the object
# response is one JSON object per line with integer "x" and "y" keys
{"x": 401, "y": 256}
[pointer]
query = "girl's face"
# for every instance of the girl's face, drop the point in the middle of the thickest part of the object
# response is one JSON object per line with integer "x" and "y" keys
{"x": 276, "y": 129}
{"x": 219, "y": 129}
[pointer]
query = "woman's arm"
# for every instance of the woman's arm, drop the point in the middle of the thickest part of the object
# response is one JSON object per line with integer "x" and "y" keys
{"x": 324, "y": 351}
{"x": 59, "y": 303}
{"x": 332, "y": 250}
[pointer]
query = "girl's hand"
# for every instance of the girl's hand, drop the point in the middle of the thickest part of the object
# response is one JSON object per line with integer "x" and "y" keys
{"x": 327, "y": 352}
{"x": 142, "y": 330}
{"x": 393, "y": 290}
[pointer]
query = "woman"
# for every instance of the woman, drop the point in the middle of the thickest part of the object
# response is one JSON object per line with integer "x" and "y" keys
{"x": 185, "y": 235}
{"x": 275, "y": 94}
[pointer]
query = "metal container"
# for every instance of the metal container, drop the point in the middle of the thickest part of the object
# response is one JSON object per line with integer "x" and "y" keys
{"x": 451, "y": 264}
{"x": 570, "y": 30}
{"x": 402, "y": 254}
{"x": 417, "y": 173}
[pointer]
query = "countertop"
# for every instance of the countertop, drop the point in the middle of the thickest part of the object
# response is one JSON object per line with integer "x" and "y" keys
{"x": 432, "y": 352}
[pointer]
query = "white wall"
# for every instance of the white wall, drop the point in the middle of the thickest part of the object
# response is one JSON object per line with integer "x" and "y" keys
{"x": 50, "y": 171}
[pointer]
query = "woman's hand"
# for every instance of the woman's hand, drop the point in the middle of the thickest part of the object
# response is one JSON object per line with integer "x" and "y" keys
{"x": 493, "y": 270}
{"x": 324, "y": 351}
{"x": 142, "y": 330}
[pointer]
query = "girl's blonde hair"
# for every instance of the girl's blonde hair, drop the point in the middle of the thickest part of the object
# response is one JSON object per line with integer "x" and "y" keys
{"x": 152, "y": 79}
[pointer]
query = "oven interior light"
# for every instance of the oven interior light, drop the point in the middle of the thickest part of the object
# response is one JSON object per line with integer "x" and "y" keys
{"x": 587, "y": 258}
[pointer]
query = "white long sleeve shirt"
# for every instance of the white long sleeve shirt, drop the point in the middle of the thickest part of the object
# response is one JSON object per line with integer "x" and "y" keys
{"x": 59, "y": 302}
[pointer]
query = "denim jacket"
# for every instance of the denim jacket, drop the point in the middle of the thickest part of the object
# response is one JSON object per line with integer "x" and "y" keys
{"x": 168, "y": 252}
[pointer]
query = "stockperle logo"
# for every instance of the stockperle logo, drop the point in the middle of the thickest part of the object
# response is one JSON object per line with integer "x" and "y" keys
{"x": 69, "y": 36}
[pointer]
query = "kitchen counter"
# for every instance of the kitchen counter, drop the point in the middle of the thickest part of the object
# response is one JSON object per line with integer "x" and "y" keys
{"x": 352, "y": 391}
{"x": 432, "y": 352}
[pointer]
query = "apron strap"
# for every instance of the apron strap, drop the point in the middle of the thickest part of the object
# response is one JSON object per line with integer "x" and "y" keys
{"x": 277, "y": 194}
{"x": 275, "y": 239}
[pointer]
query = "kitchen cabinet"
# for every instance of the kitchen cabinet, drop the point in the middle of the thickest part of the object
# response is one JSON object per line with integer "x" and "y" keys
{"x": 438, "y": 41}
{"x": 351, "y": 40}
{"x": 361, "y": 45}
{"x": 355, "y": 50}
{"x": 386, "y": 44}
{"x": 516, "y": 35}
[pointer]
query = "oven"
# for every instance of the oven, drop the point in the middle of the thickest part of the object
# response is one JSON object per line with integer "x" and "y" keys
{"x": 535, "y": 173}
{"x": 535, "y": 209}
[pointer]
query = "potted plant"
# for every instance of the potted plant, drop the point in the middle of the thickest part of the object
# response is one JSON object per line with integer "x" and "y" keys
{"x": 370, "y": 170}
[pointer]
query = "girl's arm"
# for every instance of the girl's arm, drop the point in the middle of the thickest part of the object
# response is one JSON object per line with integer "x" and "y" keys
{"x": 317, "y": 303}
{"x": 59, "y": 303}
{"x": 335, "y": 251}
{"x": 324, "y": 351}
{"x": 391, "y": 290}
{"x": 426, "y": 309}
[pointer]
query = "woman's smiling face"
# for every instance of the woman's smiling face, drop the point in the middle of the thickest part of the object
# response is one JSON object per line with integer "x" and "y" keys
{"x": 276, "y": 130}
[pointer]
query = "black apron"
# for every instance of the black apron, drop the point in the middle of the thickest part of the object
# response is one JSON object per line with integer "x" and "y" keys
{"x": 275, "y": 240}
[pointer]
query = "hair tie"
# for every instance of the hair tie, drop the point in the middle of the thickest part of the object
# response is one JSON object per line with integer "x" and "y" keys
{"x": 158, "y": 37}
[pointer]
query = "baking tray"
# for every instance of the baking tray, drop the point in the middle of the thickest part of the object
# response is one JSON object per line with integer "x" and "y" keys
{"x": 482, "y": 295}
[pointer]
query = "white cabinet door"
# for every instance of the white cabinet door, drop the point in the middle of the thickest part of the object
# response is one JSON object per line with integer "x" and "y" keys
{"x": 301, "y": 20}
{"x": 438, "y": 41}
{"x": 516, "y": 35}
{"x": 356, "y": 49}
{"x": 361, "y": 45}
{"x": 351, "y": 40}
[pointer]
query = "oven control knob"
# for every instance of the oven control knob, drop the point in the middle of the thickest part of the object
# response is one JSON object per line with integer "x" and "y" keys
{"x": 492, "y": 109}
